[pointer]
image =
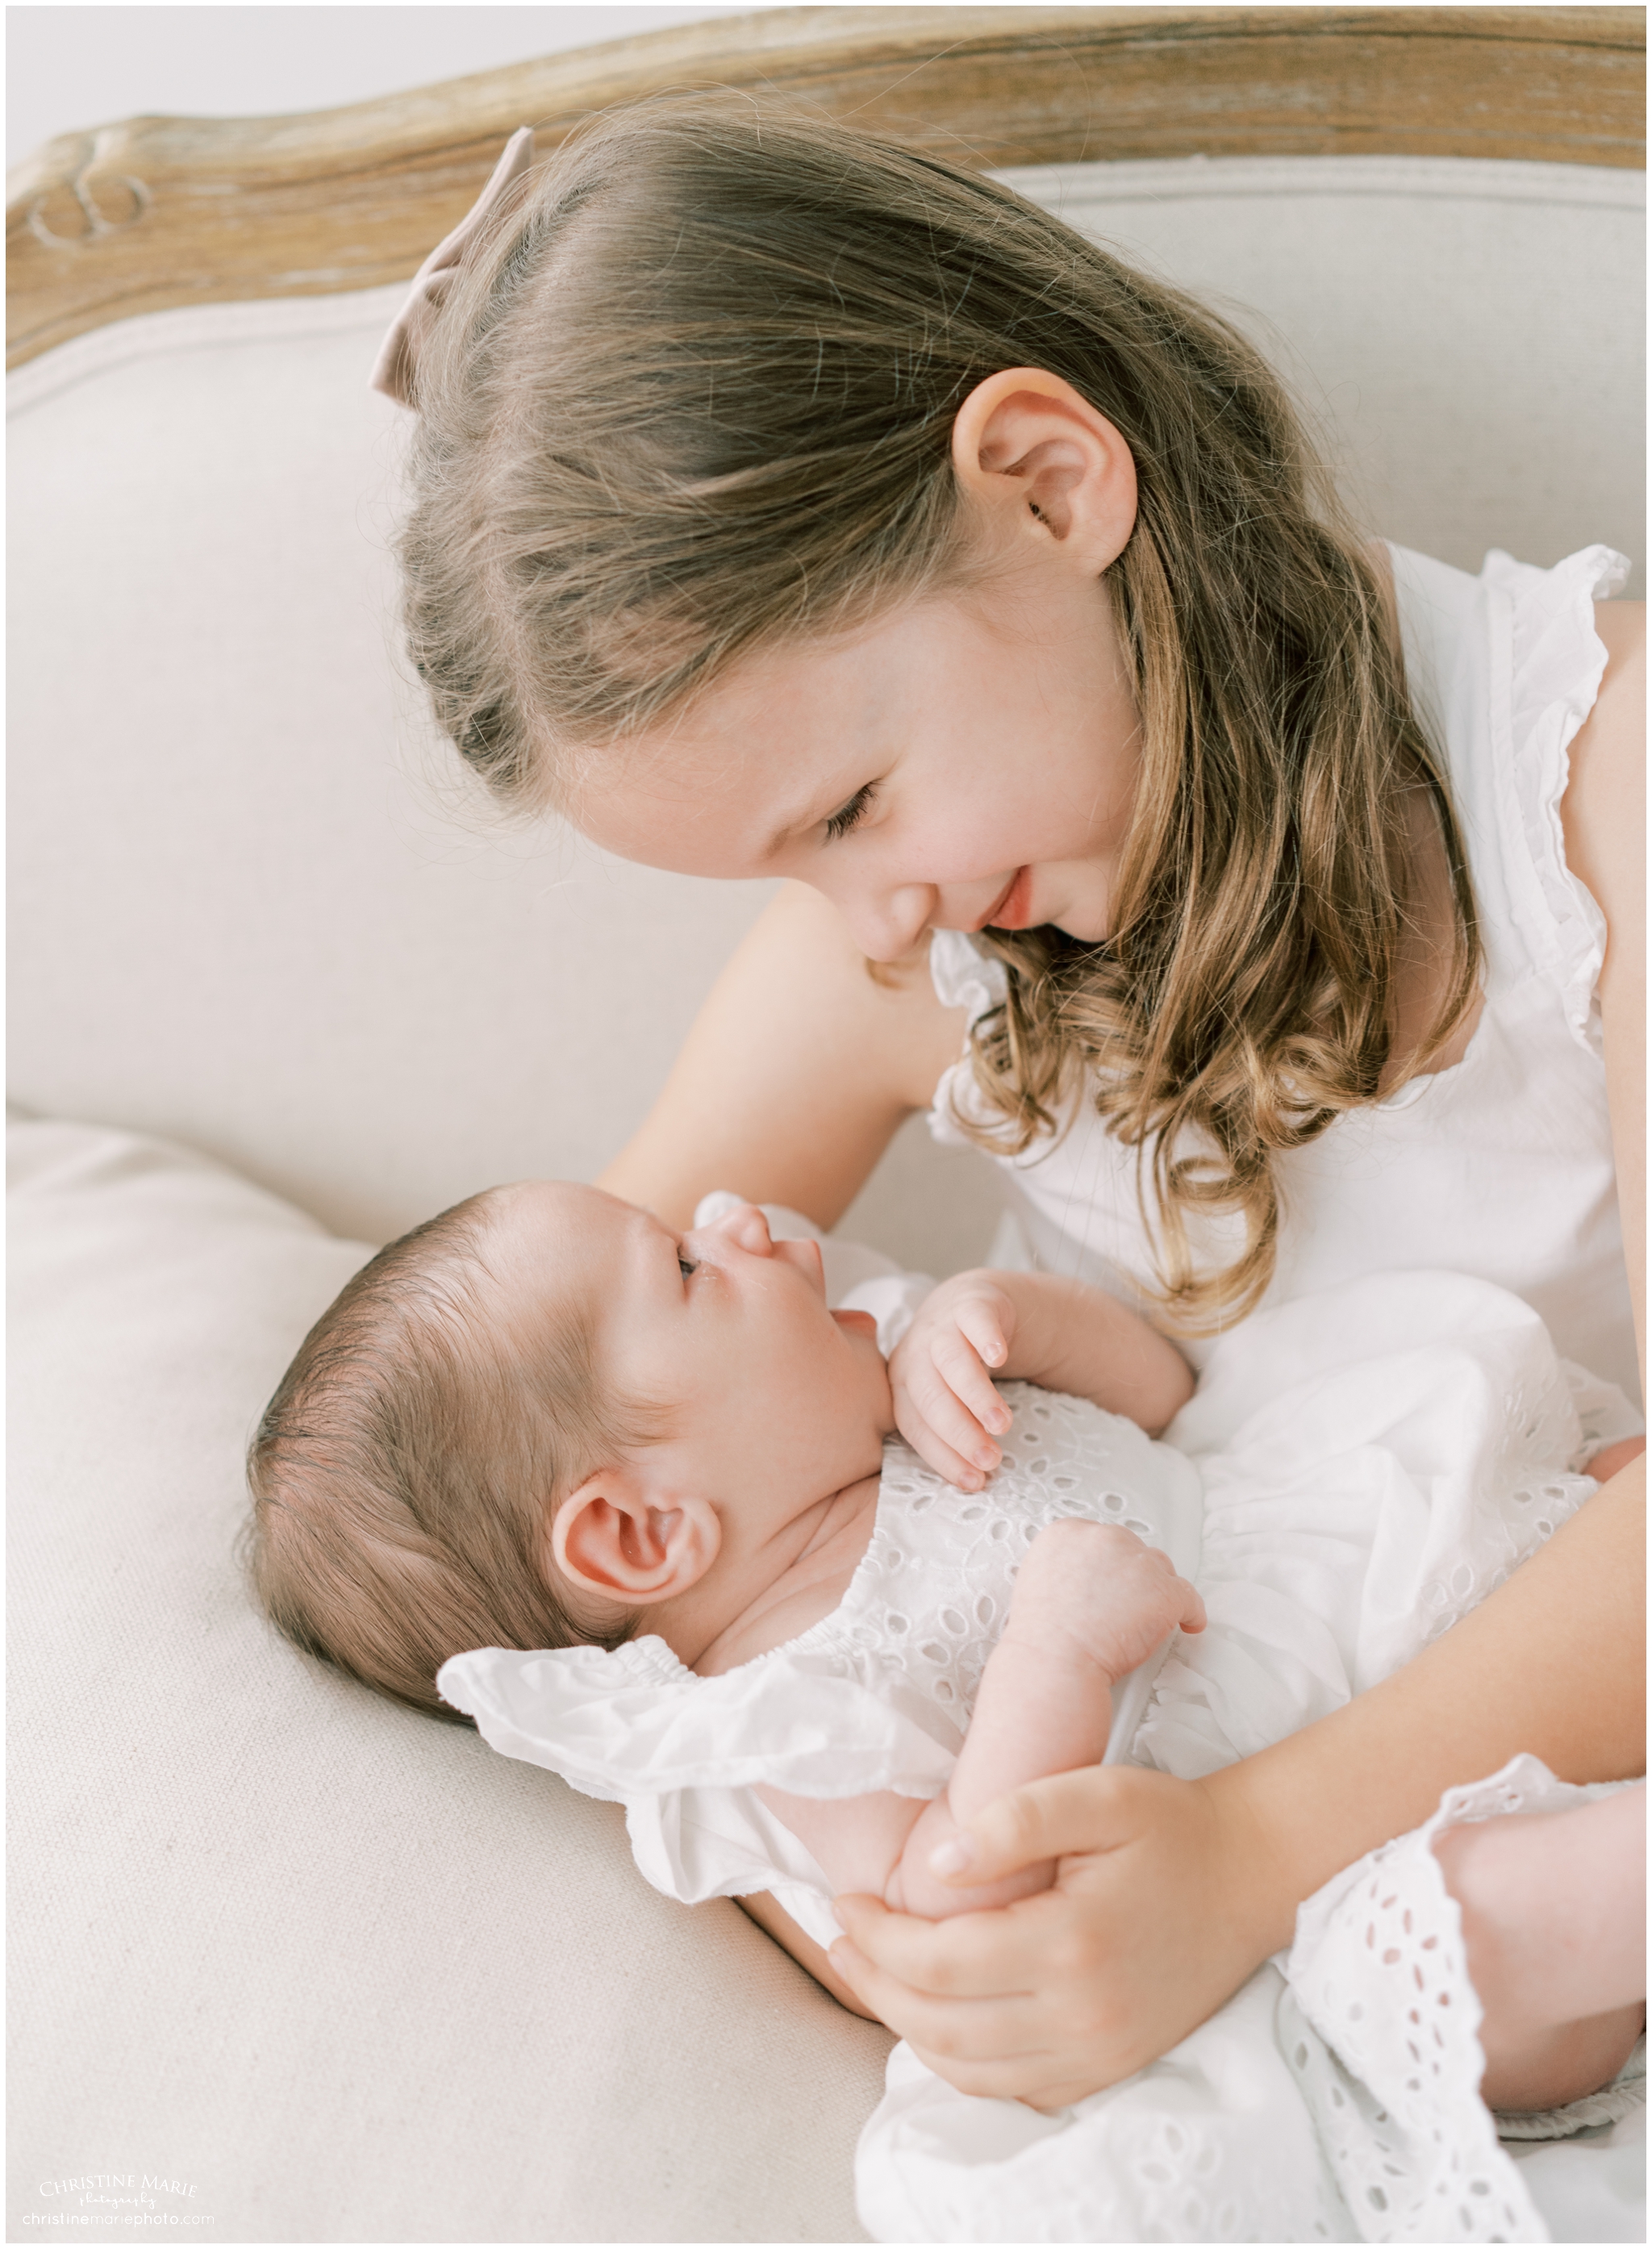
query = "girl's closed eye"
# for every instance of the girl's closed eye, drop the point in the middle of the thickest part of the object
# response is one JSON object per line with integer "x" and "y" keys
{"x": 850, "y": 813}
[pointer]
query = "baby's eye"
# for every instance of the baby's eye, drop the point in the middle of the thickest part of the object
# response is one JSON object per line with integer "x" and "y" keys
{"x": 848, "y": 816}
{"x": 687, "y": 1266}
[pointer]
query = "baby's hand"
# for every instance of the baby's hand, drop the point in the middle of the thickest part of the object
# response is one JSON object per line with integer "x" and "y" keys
{"x": 945, "y": 1406}
{"x": 1094, "y": 1592}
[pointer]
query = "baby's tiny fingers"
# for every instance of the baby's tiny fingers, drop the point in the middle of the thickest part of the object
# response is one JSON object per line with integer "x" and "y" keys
{"x": 959, "y": 1365}
{"x": 933, "y": 1450}
{"x": 947, "y": 1394}
{"x": 982, "y": 1322}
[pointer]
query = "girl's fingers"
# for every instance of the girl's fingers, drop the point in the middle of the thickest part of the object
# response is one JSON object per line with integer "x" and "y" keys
{"x": 974, "y": 1956}
{"x": 980, "y": 2045}
{"x": 1039, "y": 2078}
{"x": 1069, "y": 1812}
{"x": 997, "y": 2046}
{"x": 986, "y": 2032}
{"x": 1072, "y": 1989}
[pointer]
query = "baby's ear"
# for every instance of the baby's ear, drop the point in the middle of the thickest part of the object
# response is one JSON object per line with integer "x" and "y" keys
{"x": 618, "y": 1538}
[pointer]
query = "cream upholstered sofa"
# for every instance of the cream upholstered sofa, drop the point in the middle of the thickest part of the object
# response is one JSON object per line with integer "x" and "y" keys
{"x": 290, "y": 1963}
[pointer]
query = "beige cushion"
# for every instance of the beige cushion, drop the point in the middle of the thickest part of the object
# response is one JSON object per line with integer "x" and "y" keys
{"x": 341, "y": 1966}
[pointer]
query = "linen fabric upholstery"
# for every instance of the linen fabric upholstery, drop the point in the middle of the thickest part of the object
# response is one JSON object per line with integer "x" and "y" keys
{"x": 338, "y": 1965}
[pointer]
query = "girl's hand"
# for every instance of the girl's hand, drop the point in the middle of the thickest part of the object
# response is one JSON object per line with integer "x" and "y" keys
{"x": 1054, "y": 1996}
{"x": 946, "y": 1406}
{"x": 1170, "y": 1893}
{"x": 1090, "y": 1593}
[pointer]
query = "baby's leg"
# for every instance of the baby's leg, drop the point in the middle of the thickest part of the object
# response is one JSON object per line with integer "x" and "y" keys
{"x": 1553, "y": 1910}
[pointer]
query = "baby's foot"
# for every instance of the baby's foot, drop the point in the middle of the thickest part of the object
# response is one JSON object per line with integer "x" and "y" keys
{"x": 1553, "y": 1910}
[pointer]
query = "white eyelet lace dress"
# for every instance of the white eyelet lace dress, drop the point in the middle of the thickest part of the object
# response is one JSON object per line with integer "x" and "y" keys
{"x": 1357, "y": 1470}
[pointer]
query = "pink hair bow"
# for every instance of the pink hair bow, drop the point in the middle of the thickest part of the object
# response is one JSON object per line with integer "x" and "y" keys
{"x": 398, "y": 363}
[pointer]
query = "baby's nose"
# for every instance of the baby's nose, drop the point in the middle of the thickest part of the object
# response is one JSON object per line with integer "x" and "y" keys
{"x": 747, "y": 1229}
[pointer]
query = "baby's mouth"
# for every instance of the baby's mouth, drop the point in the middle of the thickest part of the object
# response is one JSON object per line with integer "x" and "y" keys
{"x": 811, "y": 1265}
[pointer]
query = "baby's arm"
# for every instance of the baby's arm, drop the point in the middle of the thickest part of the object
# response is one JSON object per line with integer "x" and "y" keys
{"x": 1091, "y": 1603}
{"x": 1034, "y": 1327}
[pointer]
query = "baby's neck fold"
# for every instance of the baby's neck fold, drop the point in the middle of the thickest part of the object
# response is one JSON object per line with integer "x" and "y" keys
{"x": 786, "y": 1587}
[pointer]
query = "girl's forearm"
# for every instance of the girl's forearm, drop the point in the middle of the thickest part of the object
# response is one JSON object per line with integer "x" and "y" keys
{"x": 1551, "y": 1663}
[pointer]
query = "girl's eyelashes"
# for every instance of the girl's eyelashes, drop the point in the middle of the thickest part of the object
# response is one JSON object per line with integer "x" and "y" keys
{"x": 687, "y": 1266}
{"x": 849, "y": 815}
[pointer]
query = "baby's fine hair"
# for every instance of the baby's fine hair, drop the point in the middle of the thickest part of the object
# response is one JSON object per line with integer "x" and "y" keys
{"x": 404, "y": 1472}
{"x": 694, "y": 394}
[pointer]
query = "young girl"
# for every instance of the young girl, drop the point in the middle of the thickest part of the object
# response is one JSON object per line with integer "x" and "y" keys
{"x": 786, "y": 503}
{"x": 800, "y": 1656}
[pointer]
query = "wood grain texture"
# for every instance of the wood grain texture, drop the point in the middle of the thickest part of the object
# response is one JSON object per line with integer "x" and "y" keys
{"x": 161, "y": 211}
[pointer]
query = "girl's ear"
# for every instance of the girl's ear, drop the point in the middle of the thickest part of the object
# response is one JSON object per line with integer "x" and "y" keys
{"x": 1045, "y": 465}
{"x": 618, "y": 1538}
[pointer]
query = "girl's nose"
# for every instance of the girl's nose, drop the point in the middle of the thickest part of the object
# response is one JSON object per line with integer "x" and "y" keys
{"x": 886, "y": 924}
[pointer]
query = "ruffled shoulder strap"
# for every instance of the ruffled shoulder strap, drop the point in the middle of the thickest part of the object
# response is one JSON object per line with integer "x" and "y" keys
{"x": 634, "y": 1722}
{"x": 1503, "y": 669}
{"x": 1556, "y": 661}
{"x": 963, "y": 975}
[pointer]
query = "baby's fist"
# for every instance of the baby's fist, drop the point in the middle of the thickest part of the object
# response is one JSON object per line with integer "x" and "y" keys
{"x": 1095, "y": 1589}
{"x": 942, "y": 1375}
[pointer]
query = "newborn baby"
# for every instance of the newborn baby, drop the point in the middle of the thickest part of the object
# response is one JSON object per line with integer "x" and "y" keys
{"x": 649, "y": 1482}
{"x": 545, "y": 1419}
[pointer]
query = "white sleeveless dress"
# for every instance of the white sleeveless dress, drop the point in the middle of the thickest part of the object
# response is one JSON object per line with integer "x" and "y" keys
{"x": 1500, "y": 1166}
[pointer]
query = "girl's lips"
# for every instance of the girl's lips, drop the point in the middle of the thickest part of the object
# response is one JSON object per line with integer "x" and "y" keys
{"x": 1013, "y": 910}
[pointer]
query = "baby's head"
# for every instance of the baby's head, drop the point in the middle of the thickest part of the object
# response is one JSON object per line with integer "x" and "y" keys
{"x": 543, "y": 1415}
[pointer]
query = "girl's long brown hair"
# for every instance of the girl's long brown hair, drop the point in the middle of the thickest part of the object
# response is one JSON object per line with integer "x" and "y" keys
{"x": 695, "y": 396}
